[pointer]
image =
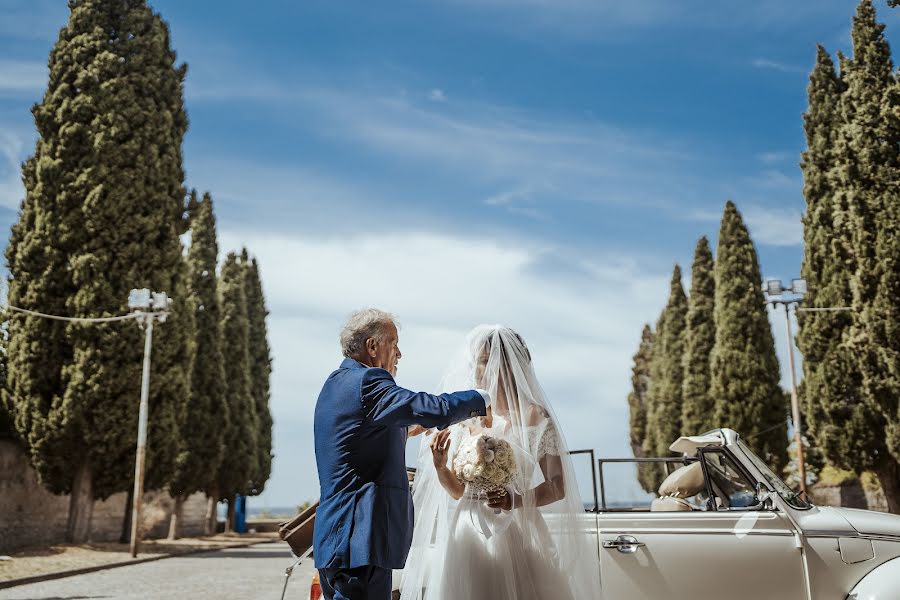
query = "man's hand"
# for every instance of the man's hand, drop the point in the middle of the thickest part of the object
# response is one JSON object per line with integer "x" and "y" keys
{"x": 415, "y": 430}
{"x": 440, "y": 448}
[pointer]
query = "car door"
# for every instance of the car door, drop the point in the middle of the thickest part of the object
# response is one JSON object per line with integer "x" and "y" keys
{"x": 725, "y": 551}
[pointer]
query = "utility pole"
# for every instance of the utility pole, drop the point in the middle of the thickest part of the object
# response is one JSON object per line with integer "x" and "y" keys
{"x": 776, "y": 294}
{"x": 149, "y": 308}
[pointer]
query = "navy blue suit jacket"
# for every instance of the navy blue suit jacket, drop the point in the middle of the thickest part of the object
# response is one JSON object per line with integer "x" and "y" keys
{"x": 365, "y": 514}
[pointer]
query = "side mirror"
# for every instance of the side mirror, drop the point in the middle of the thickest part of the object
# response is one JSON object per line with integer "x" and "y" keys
{"x": 765, "y": 498}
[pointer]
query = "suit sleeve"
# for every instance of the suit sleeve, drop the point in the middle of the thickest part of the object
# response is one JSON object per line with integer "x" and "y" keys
{"x": 390, "y": 405}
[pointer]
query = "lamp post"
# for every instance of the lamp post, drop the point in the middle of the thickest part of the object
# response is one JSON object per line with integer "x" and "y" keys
{"x": 777, "y": 294}
{"x": 149, "y": 308}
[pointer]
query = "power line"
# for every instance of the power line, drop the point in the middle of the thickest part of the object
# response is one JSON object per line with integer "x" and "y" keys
{"x": 767, "y": 430}
{"x": 135, "y": 315}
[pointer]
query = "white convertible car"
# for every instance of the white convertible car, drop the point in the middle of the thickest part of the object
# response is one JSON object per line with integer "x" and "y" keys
{"x": 724, "y": 526}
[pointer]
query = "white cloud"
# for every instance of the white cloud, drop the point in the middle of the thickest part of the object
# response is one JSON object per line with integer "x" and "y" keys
{"x": 616, "y": 19}
{"x": 767, "y": 226}
{"x": 764, "y": 63}
{"x": 11, "y": 189}
{"x": 582, "y": 331}
{"x": 520, "y": 201}
{"x": 437, "y": 95}
{"x": 774, "y": 226}
{"x": 32, "y": 19}
{"x": 777, "y": 156}
{"x": 577, "y": 14}
{"x": 776, "y": 179}
{"x": 539, "y": 165}
{"x": 579, "y": 160}
{"x": 18, "y": 76}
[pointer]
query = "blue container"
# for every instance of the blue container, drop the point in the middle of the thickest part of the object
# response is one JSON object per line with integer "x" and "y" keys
{"x": 240, "y": 514}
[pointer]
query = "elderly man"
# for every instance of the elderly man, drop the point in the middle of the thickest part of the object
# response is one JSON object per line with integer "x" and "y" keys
{"x": 364, "y": 522}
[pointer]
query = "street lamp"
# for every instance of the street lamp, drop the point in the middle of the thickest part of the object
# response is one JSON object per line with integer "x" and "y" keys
{"x": 149, "y": 308}
{"x": 777, "y": 294}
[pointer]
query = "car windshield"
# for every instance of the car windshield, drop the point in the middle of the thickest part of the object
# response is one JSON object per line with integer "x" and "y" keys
{"x": 790, "y": 496}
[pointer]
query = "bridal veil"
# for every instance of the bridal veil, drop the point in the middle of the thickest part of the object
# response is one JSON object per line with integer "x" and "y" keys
{"x": 497, "y": 359}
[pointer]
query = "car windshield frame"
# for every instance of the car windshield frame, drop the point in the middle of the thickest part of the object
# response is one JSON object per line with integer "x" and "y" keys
{"x": 793, "y": 498}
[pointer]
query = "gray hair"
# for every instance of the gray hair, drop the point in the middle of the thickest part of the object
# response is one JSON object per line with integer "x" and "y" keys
{"x": 362, "y": 325}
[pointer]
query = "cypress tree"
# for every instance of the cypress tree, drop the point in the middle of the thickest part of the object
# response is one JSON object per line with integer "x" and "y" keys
{"x": 745, "y": 374}
{"x": 650, "y": 475}
{"x": 102, "y": 213}
{"x": 7, "y": 426}
{"x": 866, "y": 206}
{"x": 667, "y": 372}
{"x": 202, "y": 431}
{"x": 880, "y": 320}
{"x": 821, "y": 123}
{"x": 239, "y": 463}
{"x": 841, "y": 425}
{"x": 260, "y": 370}
{"x": 637, "y": 399}
{"x": 698, "y": 411}
{"x": 637, "y": 407}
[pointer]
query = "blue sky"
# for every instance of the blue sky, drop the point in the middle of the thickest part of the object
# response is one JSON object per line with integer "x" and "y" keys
{"x": 541, "y": 163}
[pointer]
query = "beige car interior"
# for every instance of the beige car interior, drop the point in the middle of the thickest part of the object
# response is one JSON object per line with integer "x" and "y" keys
{"x": 681, "y": 484}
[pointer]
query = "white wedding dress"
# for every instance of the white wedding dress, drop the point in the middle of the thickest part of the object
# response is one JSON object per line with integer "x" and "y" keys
{"x": 539, "y": 550}
{"x": 502, "y": 556}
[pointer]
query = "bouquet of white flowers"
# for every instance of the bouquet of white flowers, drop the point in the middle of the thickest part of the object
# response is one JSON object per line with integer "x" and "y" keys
{"x": 484, "y": 463}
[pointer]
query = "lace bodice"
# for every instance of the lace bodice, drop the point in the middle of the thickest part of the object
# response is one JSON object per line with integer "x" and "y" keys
{"x": 548, "y": 444}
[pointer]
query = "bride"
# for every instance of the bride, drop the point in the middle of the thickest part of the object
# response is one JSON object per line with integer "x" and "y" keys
{"x": 526, "y": 542}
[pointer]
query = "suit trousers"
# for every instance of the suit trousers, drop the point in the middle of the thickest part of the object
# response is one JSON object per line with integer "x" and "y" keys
{"x": 360, "y": 583}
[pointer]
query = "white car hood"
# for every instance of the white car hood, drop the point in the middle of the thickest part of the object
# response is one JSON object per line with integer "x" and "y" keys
{"x": 871, "y": 522}
{"x": 824, "y": 519}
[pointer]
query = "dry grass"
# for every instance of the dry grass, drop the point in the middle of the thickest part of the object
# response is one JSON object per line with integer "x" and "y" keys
{"x": 31, "y": 562}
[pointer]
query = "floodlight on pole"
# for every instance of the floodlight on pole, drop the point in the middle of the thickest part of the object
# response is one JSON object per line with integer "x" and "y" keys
{"x": 773, "y": 287}
{"x": 149, "y": 308}
{"x": 139, "y": 299}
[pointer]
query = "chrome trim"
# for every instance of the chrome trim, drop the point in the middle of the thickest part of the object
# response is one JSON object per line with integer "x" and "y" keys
{"x": 835, "y": 533}
{"x": 825, "y": 533}
{"x": 695, "y": 531}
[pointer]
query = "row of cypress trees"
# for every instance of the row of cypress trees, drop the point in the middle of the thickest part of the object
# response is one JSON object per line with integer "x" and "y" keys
{"x": 852, "y": 257}
{"x": 711, "y": 360}
{"x": 105, "y": 211}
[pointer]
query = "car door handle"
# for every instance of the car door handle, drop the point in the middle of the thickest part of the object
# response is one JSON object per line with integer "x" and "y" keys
{"x": 625, "y": 544}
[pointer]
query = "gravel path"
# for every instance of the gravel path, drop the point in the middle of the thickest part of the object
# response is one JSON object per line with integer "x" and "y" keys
{"x": 254, "y": 572}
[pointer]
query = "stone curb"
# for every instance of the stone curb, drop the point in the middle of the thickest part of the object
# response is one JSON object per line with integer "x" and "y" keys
{"x": 134, "y": 561}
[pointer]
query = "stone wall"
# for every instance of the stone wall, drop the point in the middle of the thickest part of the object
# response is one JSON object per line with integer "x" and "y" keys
{"x": 30, "y": 515}
{"x": 850, "y": 494}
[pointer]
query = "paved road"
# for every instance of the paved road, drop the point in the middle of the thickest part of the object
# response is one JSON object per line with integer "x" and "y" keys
{"x": 255, "y": 572}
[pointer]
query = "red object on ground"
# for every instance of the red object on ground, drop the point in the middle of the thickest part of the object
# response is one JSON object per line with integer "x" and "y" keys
{"x": 315, "y": 590}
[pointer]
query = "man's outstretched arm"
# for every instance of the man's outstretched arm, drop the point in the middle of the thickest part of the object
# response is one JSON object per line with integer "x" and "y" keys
{"x": 389, "y": 404}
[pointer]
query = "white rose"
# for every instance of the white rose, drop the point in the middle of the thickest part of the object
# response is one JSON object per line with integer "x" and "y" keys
{"x": 501, "y": 455}
{"x": 468, "y": 472}
{"x": 489, "y": 456}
